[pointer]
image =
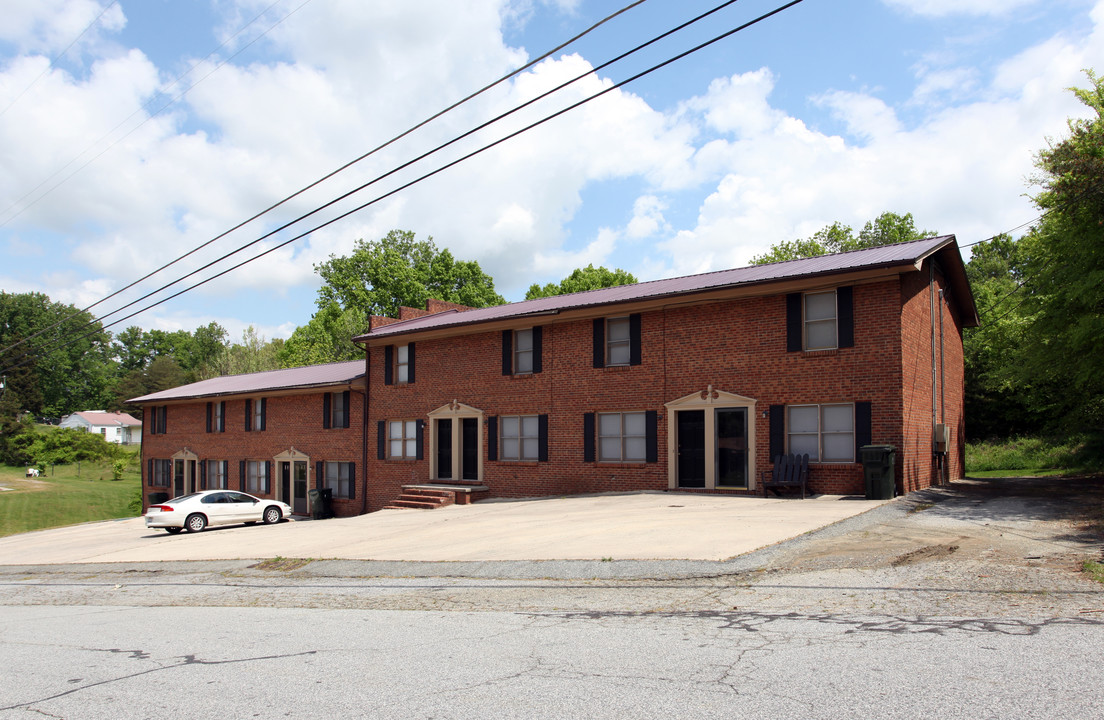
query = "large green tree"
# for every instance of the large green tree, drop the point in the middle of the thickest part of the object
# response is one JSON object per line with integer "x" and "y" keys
{"x": 398, "y": 269}
{"x": 328, "y": 337}
{"x": 1064, "y": 291}
{"x": 886, "y": 229}
{"x": 56, "y": 358}
{"x": 588, "y": 278}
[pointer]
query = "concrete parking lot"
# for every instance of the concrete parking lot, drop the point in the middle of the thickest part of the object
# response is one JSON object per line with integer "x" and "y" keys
{"x": 644, "y": 526}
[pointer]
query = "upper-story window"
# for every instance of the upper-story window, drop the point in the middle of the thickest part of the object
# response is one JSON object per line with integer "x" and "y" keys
{"x": 216, "y": 416}
{"x": 158, "y": 419}
{"x": 398, "y": 364}
{"x": 617, "y": 341}
{"x": 521, "y": 351}
{"x": 822, "y": 320}
{"x": 335, "y": 410}
{"x": 255, "y": 414}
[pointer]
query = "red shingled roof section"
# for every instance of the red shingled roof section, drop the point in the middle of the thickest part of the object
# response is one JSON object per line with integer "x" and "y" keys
{"x": 304, "y": 377}
{"x": 884, "y": 256}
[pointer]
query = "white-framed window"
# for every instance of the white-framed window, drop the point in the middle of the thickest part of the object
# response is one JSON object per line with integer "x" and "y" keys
{"x": 257, "y": 407}
{"x": 618, "y": 341}
{"x": 520, "y": 436}
{"x": 161, "y": 473}
{"x": 523, "y": 351}
{"x": 825, "y": 432}
{"x": 255, "y": 476}
{"x": 339, "y": 478}
{"x": 622, "y": 437}
{"x": 820, "y": 320}
{"x": 216, "y": 475}
{"x": 339, "y": 410}
{"x": 402, "y": 439}
{"x": 402, "y": 363}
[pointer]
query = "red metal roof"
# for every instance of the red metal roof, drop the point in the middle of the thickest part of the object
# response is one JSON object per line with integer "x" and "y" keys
{"x": 100, "y": 417}
{"x": 900, "y": 254}
{"x": 340, "y": 373}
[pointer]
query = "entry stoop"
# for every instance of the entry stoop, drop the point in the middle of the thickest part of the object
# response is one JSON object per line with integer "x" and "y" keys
{"x": 431, "y": 496}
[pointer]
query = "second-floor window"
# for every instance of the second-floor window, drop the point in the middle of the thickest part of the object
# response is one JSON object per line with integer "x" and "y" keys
{"x": 255, "y": 414}
{"x": 335, "y": 410}
{"x": 216, "y": 416}
{"x": 617, "y": 341}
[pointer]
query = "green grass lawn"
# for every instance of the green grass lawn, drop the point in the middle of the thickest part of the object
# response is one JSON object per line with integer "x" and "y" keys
{"x": 61, "y": 497}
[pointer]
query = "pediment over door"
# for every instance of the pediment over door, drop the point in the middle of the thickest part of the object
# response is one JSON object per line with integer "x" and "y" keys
{"x": 710, "y": 397}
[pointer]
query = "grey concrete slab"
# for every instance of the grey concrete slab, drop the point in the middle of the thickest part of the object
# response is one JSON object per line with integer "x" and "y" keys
{"x": 620, "y": 526}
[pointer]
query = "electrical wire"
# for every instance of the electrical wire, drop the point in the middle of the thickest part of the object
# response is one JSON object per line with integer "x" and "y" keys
{"x": 451, "y": 164}
{"x": 328, "y": 176}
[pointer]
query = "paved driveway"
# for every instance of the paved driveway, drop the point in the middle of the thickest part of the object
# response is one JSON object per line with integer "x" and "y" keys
{"x": 596, "y": 527}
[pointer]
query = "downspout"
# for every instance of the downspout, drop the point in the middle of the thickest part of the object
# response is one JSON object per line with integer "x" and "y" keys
{"x": 942, "y": 387}
{"x": 934, "y": 419}
{"x": 364, "y": 436}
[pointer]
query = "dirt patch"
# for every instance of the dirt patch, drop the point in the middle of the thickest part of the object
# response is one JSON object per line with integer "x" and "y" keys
{"x": 281, "y": 564}
{"x": 931, "y": 552}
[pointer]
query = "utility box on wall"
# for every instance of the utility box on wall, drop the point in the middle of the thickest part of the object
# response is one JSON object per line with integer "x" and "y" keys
{"x": 942, "y": 440}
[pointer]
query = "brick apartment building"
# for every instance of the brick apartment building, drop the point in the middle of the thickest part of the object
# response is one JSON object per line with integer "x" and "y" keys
{"x": 689, "y": 383}
{"x": 273, "y": 434}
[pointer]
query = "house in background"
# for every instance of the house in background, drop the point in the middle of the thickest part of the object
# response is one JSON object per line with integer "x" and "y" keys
{"x": 118, "y": 428}
{"x": 274, "y": 434}
{"x": 690, "y": 383}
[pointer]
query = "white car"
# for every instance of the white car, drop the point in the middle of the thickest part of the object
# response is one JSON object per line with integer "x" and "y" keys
{"x": 196, "y": 511}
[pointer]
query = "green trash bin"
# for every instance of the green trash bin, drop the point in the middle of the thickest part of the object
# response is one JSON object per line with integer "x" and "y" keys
{"x": 878, "y": 462}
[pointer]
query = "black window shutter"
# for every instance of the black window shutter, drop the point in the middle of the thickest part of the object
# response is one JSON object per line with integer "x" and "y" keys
{"x": 542, "y": 438}
{"x": 588, "y": 437}
{"x": 419, "y": 434}
{"x": 149, "y": 473}
{"x": 538, "y": 349}
{"x": 793, "y": 323}
{"x": 164, "y": 419}
{"x": 210, "y": 411}
{"x": 599, "y": 342}
{"x": 507, "y": 352}
{"x": 492, "y": 436}
{"x": 651, "y": 429}
{"x": 241, "y": 475}
{"x": 634, "y": 339}
{"x": 845, "y": 321}
{"x": 864, "y": 426}
{"x": 268, "y": 477}
{"x": 222, "y": 416}
{"x": 348, "y": 411}
{"x": 777, "y": 431}
{"x": 319, "y": 475}
{"x": 202, "y": 474}
{"x": 381, "y": 440}
{"x": 389, "y": 365}
{"x": 410, "y": 361}
{"x": 264, "y": 413}
{"x": 248, "y": 414}
{"x": 326, "y": 410}
{"x": 352, "y": 481}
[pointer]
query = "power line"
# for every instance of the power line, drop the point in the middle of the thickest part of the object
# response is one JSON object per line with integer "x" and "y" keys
{"x": 329, "y": 175}
{"x": 457, "y": 161}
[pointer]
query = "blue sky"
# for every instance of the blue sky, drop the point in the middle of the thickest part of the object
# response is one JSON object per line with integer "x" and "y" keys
{"x": 132, "y": 132}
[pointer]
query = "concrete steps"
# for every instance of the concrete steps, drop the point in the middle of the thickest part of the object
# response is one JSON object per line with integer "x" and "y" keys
{"x": 436, "y": 495}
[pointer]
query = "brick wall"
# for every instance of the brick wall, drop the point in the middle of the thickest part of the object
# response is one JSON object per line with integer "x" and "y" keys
{"x": 292, "y": 422}
{"x": 736, "y": 346}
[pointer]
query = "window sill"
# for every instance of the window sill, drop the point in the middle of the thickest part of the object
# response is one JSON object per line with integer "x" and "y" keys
{"x": 827, "y": 352}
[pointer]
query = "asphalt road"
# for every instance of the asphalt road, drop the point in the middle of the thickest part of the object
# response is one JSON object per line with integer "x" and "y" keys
{"x": 962, "y": 602}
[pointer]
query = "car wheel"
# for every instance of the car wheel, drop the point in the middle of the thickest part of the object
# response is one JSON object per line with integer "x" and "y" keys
{"x": 173, "y": 531}
{"x": 272, "y": 514}
{"x": 195, "y": 522}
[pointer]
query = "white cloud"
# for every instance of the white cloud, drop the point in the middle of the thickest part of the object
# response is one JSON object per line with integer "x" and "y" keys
{"x": 940, "y": 8}
{"x": 51, "y": 26}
